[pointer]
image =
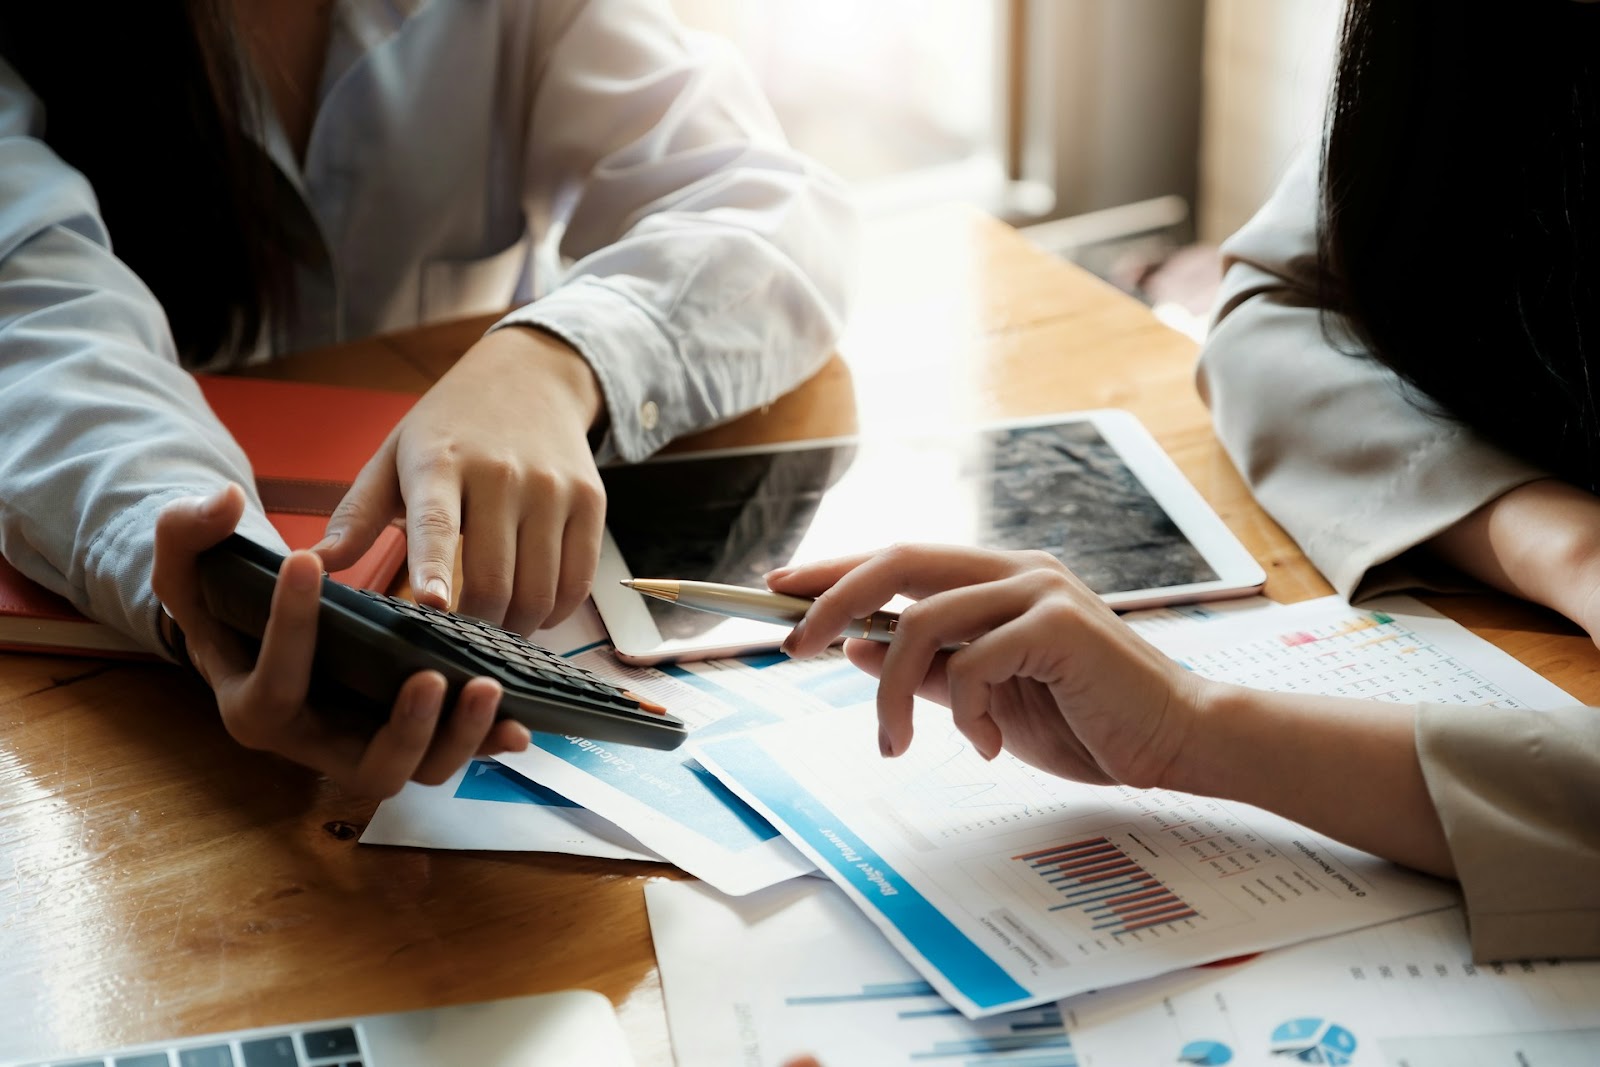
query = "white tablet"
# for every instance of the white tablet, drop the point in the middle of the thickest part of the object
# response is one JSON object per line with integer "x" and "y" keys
{"x": 1091, "y": 488}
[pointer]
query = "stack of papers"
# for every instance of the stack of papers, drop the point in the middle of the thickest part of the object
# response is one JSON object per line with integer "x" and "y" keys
{"x": 970, "y": 908}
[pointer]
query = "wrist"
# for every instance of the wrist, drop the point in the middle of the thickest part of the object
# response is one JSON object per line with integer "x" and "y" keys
{"x": 1539, "y": 541}
{"x": 557, "y": 362}
{"x": 1226, "y": 720}
{"x": 174, "y": 642}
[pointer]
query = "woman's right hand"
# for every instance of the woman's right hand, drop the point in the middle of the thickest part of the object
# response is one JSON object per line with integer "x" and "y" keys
{"x": 1045, "y": 669}
{"x": 263, "y": 698}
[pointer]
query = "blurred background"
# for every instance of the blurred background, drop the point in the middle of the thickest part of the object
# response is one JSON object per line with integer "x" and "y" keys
{"x": 1131, "y": 136}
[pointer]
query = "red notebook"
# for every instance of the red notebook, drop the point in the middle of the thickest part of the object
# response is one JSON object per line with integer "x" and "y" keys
{"x": 306, "y": 443}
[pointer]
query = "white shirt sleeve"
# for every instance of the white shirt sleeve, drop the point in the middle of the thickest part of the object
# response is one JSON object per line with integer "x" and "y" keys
{"x": 705, "y": 265}
{"x": 99, "y": 426}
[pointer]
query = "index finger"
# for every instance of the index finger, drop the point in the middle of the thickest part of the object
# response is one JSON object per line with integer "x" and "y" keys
{"x": 915, "y": 571}
{"x": 433, "y": 527}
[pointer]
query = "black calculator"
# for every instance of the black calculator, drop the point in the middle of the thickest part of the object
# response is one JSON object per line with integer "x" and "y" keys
{"x": 368, "y": 644}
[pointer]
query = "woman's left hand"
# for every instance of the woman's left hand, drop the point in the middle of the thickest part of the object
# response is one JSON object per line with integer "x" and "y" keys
{"x": 495, "y": 455}
{"x": 1044, "y": 668}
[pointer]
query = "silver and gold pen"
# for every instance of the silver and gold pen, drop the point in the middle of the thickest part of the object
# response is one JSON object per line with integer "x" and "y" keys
{"x": 761, "y": 604}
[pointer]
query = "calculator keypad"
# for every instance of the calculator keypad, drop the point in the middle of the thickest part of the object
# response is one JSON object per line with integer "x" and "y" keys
{"x": 533, "y": 665}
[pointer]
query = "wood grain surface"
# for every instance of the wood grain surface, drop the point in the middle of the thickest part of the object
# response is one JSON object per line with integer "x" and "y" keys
{"x": 158, "y": 880}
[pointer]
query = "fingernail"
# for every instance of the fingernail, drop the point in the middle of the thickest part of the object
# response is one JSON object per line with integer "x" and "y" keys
{"x": 437, "y": 587}
{"x": 776, "y": 572}
{"x": 796, "y": 636}
{"x": 885, "y": 746}
{"x": 327, "y": 542}
{"x": 212, "y": 505}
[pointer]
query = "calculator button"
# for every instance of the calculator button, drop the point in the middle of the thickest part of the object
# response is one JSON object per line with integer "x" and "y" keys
{"x": 646, "y": 705}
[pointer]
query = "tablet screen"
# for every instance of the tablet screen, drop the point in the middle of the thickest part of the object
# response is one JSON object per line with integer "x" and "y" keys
{"x": 1062, "y": 487}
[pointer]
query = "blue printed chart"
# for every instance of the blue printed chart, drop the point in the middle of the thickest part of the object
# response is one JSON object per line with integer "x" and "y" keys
{"x": 1401, "y": 994}
{"x": 488, "y": 780}
{"x": 857, "y": 1004}
{"x": 1032, "y": 1037}
{"x": 1206, "y": 1053}
{"x": 1313, "y": 1040}
{"x": 489, "y": 806}
{"x": 665, "y": 799}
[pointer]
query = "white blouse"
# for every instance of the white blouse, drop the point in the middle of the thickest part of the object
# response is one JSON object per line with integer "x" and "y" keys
{"x": 618, "y": 180}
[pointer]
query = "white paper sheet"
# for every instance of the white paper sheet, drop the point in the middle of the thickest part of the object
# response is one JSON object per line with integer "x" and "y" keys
{"x": 666, "y": 799}
{"x": 1396, "y": 649}
{"x": 486, "y": 806}
{"x": 990, "y": 877}
{"x": 479, "y": 809}
{"x": 1179, "y": 617}
{"x": 751, "y": 981}
{"x": 1404, "y": 994}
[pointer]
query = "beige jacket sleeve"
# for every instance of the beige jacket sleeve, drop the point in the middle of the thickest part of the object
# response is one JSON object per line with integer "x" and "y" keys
{"x": 1327, "y": 438}
{"x": 1519, "y": 795}
{"x": 1358, "y": 474}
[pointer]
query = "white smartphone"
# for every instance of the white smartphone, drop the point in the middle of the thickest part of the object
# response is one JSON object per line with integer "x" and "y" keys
{"x": 1091, "y": 488}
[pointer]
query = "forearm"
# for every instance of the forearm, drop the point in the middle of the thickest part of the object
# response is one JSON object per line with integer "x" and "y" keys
{"x": 707, "y": 266}
{"x": 1345, "y": 768}
{"x": 1540, "y": 541}
{"x": 98, "y": 424}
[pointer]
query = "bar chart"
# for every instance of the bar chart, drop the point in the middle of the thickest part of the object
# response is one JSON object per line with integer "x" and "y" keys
{"x": 1030, "y": 1037}
{"x": 1098, "y": 879}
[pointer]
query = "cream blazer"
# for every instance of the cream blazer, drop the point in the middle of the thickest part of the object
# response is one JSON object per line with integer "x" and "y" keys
{"x": 1359, "y": 475}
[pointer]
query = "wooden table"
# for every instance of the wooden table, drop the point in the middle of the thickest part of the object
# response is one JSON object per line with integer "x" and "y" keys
{"x": 157, "y": 880}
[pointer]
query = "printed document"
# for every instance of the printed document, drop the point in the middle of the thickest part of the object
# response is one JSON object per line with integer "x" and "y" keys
{"x": 489, "y": 807}
{"x": 752, "y": 981}
{"x": 1007, "y": 887}
{"x": 1404, "y": 994}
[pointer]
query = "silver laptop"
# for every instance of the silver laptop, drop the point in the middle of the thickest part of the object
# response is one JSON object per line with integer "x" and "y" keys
{"x": 576, "y": 1028}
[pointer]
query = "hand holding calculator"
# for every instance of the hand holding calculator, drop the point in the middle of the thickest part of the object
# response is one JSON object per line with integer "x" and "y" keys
{"x": 368, "y": 644}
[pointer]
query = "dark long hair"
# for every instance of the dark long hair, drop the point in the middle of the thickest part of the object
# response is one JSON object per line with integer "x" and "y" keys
{"x": 148, "y": 101}
{"x": 1461, "y": 200}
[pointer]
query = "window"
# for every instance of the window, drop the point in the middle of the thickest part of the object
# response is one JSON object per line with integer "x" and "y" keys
{"x": 904, "y": 98}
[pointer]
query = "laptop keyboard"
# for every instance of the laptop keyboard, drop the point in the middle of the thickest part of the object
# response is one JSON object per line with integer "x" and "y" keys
{"x": 336, "y": 1047}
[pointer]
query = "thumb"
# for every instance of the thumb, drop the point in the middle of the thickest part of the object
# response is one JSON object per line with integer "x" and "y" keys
{"x": 371, "y": 504}
{"x": 185, "y": 528}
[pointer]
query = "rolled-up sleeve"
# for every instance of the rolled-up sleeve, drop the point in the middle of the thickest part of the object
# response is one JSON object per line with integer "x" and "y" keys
{"x": 99, "y": 426}
{"x": 706, "y": 265}
{"x": 1518, "y": 793}
{"x": 1329, "y": 439}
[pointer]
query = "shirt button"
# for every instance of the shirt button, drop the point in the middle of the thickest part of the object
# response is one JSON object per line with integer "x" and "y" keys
{"x": 649, "y": 414}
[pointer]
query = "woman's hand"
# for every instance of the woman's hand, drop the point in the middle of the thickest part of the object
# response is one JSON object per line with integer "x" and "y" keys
{"x": 1047, "y": 670}
{"x": 1050, "y": 673}
{"x": 495, "y": 455}
{"x": 263, "y": 701}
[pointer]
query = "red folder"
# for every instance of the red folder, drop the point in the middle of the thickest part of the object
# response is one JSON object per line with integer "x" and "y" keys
{"x": 306, "y": 444}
